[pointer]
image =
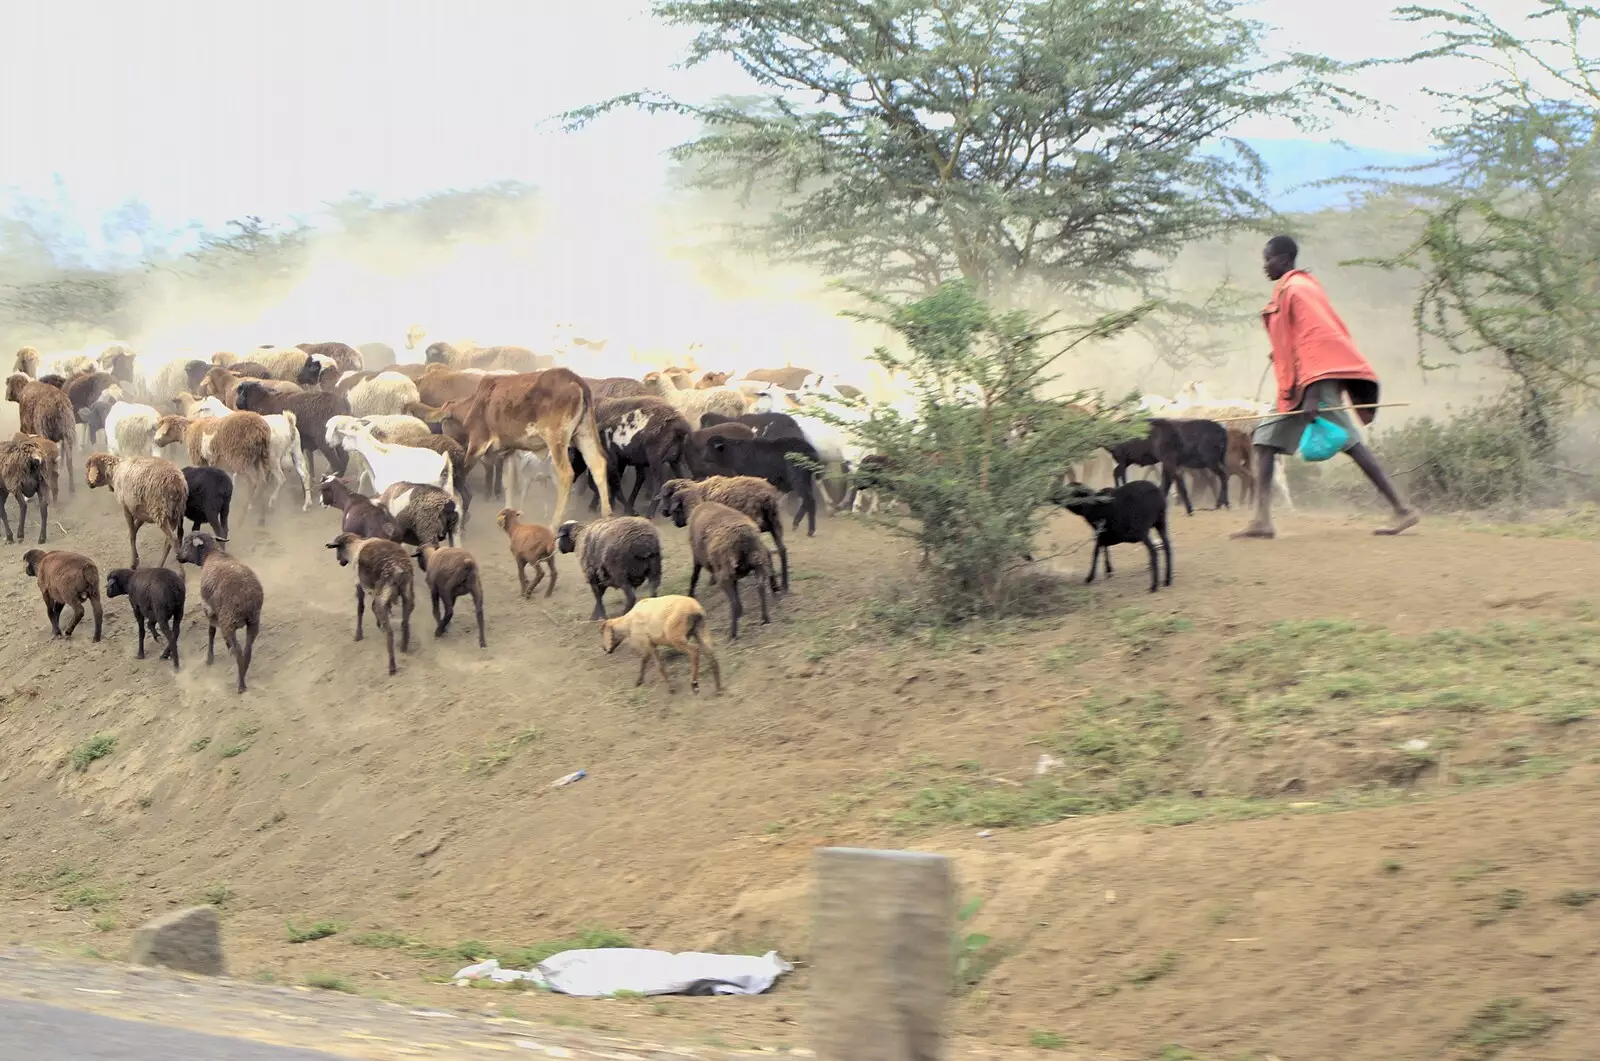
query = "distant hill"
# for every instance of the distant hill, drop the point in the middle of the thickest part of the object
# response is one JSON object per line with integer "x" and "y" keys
{"x": 1291, "y": 164}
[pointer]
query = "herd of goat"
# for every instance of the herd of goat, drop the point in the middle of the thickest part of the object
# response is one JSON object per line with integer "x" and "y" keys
{"x": 717, "y": 456}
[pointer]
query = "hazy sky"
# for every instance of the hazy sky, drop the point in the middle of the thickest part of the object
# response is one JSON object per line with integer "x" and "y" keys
{"x": 211, "y": 110}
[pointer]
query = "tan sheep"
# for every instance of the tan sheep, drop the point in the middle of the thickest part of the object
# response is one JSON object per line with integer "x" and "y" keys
{"x": 24, "y": 473}
{"x": 675, "y": 621}
{"x": 66, "y": 580}
{"x": 52, "y": 459}
{"x": 383, "y": 569}
{"x": 230, "y": 595}
{"x": 149, "y": 489}
{"x": 531, "y": 543}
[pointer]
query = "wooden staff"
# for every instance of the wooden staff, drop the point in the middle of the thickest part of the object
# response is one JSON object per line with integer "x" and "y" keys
{"x": 1301, "y": 412}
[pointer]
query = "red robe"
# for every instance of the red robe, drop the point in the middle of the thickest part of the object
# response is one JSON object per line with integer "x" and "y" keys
{"x": 1311, "y": 343}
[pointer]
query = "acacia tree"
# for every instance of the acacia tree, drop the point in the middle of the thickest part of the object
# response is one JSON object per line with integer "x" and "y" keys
{"x": 1070, "y": 143}
{"x": 1509, "y": 250}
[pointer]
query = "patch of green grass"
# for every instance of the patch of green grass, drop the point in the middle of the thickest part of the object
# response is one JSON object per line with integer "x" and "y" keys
{"x": 1501, "y": 1023}
{"x": 330, "y": 982}
{"x": 105, "y": 924}
{"x": 382, "y": 940}
{"x": 97, "y": 747}
{"x": 200, "y": 745}
{"x": 1578, "y": 897}
{"x": 1048, "y": 1040}
{"x": 976, "y": 955}
{"x": 1143, "y": 631}
{"x": 1065, "y": 657}
{"x": 497, "y": 753}
{"x": 87, "y": 897}
{"x": 264, "y": 976}
{"x": 218, "y": 895}
{"x": 1164, "y": 965}
{"x": 1120, "y": 754}
{"x": 1392, "y": 866}
{"x": 307, "y": 933}
{"x": 230, "y": 750}
{"x": 1582, "y": 524}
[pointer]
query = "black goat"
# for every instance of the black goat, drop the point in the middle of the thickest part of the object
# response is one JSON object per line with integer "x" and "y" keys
{"x": 210, "y": 497}
{"x": 157, "y": 596}
{"x": 1121, "y": 515}
{"x": 1199, "y": 444}
{"x": 1134, "y": 451}
{"x": 768, "y": 458}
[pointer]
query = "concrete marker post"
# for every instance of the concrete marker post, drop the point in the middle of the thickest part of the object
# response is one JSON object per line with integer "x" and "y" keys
{"x": 881, "y": 955}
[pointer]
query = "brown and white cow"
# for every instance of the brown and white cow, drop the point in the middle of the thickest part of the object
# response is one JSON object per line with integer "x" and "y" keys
{"x": 549, "y": 410}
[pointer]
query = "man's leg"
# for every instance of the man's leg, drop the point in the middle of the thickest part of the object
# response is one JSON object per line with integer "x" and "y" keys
{"x": 1261, "y": 526}
{"x": 1405, "y": 516}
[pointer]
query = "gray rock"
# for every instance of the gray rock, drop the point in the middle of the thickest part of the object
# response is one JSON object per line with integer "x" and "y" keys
{"x": 187, "y": 940}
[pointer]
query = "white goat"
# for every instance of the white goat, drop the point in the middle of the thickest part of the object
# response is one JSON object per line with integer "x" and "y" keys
{"x": 390, "y": 464}
{"x": 286, "y": 456}
{"x": 131, "y": 429}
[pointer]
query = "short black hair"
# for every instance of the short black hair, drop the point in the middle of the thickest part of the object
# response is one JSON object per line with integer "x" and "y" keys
{"x": 1283, "y": 247}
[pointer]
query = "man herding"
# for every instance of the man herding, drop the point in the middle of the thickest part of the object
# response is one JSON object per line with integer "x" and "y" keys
{"x": 1316, "y": 362}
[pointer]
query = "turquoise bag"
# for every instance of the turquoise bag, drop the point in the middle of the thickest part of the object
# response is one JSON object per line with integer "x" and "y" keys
{"x": 1322, "y": 439}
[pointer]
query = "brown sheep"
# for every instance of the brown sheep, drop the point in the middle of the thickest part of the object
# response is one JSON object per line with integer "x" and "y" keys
{"x": 450, "y": 574}
{"x": 756, "y": 498}
{"x": 24, "y": 473}
{"x": 383, "y": 569}
{"x": 712, "y": 379}
{"x": 149, "y": 489}
{"x": 531, "y": 543}
{"x": 52, "y": 458}
{"x": 44, "y": 410}
{"x": 728, "y": 543}
{"x": 230, "y": 595}
{"x": 239, "y": 443}
{"x": 66, "y": 580}
{"x": 676, "y": 621}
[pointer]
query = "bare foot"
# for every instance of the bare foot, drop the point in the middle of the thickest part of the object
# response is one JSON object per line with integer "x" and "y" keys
{"x": 1256, "y": 529}
{"x": 1402, "y": 522}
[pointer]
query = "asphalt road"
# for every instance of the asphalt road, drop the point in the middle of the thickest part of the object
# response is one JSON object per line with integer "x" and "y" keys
{"x": 31, "y": 1031}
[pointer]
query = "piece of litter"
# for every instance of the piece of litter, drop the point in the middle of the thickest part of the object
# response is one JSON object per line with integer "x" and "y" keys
{"x": 97, "y": 990}
{"x": 984, "y": 834}
{"x": 1416, "y": 744}
{"x": 1111, "y": 896}
{"x": 1303, "y": 804}
{"x": 576, "y": 775}
{"x": 1045, "y": 764}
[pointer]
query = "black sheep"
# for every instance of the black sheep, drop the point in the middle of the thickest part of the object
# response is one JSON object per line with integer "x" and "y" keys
{"x": 1199, "y": 444}
{"x": 157, "y": 596}
{"x": 210, "y": 497}
{"x": 1121, "y": 515}
{"x": 766, "y": 458}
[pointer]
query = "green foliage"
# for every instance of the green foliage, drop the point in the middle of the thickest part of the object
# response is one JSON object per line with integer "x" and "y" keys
{"x": 307, "y": 933}
{"x": 1510, "y": 247}
{"x": 97, "y": 747}
{"x": 905, "y": 143}
{"x": 976, "y": 954}
{"x": 985, "y": 449}
{"x": 1481, "y": 457}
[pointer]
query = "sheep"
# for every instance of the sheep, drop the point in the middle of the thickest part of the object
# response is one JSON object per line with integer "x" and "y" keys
{"x": 52, "y": 459}
{"x": 390, "y": 464}
{"x": 230, "y": 595}
{"x": 727, "y": 542}
{"x": 617, "y": 552}
{"x": 383, "y": 393}
{"x": 156, "y": 595}
{"x": 286, "y": 456}
{"x": 695, "y": 403}
{"x": 360, "y": 515}
{"x": 343, "y": 356}
{"x": 194, "y": 408}
{"x": 29, "y": 363}
{"x": 675, "y": 621}
{"x": 451, "y": 573}
{"x": 756, "y": 498}
{"x": 282, "y": 363}
{"x": 82, "y": 392}
{"x": 312, "y": 410}
{"x": 383, "y": 568}
{"x": 24, "y": 474}
{"x": 766, "y": 458}
{"x": 149, "y": 489}
{"x": 1121, "y": 515}
{"x": 423, "y": 513}
{"x": 66, "y": 580}
{"x": 531, "y": 543}
{"x": 241, "y": 445}
{"x": 93, "y": 416}
{"x": 617, "y": 387}
{"x": 210, "y": 496}
{"x": 1182, "y": 444}
{"x": 645, "y": 434}
{"x": 131, "y": 429}
{"x": 44, "y": 410}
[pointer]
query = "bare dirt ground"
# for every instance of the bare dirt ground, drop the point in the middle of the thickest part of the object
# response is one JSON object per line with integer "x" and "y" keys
{"x": 1328, "y": 797}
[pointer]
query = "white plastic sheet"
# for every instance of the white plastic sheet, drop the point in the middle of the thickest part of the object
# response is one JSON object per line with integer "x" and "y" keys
{"x": 607, "y": 970}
